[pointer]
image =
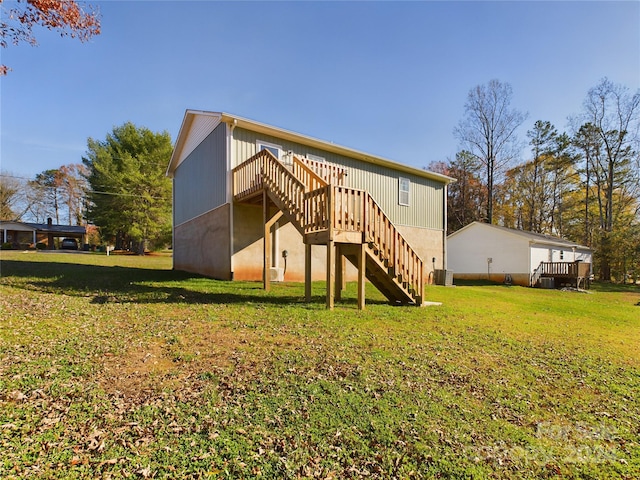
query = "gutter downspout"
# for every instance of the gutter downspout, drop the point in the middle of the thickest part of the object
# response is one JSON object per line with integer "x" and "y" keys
{"x": 230, "y": 155}
{"x": 444, "y": 228}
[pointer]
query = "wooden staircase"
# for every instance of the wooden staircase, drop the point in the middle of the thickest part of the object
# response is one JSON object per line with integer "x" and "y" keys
{"x": 311, "y": 196}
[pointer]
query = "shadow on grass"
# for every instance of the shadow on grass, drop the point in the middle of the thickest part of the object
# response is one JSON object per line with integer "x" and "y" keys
{"x": 116, "y": 284}
{"x": 615, "y": 287}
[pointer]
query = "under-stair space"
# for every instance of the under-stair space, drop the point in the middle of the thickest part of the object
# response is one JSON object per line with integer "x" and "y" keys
{"x": 311, "y": 196}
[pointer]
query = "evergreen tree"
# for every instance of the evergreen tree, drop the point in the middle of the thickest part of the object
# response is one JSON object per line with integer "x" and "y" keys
{"x": 130, "y": 197}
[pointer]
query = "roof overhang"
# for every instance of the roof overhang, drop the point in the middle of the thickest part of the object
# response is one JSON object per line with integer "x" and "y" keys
{"x": 181, "y": 142}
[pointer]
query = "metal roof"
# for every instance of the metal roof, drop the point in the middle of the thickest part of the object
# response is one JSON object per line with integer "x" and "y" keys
{"x": 531, "y": 236}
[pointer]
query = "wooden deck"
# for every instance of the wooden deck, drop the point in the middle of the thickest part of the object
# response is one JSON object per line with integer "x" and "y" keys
{"x": 574, "y": 274}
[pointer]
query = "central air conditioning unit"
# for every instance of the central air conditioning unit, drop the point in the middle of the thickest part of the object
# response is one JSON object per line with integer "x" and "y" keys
{"x": 276, "y": 274}
{"x": 547, "y": 282}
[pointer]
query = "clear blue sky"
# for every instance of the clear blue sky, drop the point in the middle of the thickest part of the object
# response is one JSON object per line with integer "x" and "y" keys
{"x": 388, "y": 78}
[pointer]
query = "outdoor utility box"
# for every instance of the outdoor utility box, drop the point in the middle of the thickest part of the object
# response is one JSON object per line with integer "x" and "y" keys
{"x": 443, "y": 277}
{"x": 276, "y": 274}
{"x": 547, "y": 282}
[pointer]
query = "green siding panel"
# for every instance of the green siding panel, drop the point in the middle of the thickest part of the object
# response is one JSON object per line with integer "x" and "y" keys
{"x": 426, "y": 208}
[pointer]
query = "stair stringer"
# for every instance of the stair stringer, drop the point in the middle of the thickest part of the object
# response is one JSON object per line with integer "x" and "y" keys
{"x": 382, "y": 277}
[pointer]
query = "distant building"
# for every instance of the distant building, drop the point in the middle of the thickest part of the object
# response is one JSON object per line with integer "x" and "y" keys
{"x": 28, "y": 235}
{"x": 481, "y": 251}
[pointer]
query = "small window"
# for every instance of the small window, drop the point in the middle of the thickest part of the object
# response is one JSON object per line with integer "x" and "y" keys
{"x": 273, "y": 148}
{"x": 315, "y": 158}
{"x": 561, "y": 255}
{"x": 404, "y": 191}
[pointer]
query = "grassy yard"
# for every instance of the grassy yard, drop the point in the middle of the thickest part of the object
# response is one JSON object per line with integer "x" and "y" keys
{"x": 118, "y": 367}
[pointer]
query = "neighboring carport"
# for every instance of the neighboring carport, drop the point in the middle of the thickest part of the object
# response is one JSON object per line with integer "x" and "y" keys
{"x": 28, "y": 235}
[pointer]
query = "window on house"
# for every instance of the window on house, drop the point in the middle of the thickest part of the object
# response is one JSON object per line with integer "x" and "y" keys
{"x": 315, "y": 158}
{"x": 404, "y": 191}
{"x": 276, "y": 150}
{"x": 561, "y": 255}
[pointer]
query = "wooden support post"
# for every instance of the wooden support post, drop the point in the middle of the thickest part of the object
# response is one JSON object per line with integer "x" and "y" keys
{"x": 339, "y": 273}
{"x": 268, "y": 223}
{"x": 307, "y": 272}
{"x": 331, "y": 273}
{"x": 362, "y": 270}
{"x": 266, "y": 254}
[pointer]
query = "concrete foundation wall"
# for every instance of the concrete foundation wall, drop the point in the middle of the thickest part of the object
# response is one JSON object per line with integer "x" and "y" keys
{"x": 248, "y": 248}
{"x": 428, "y": 244}
{"x": 204, "y": 244}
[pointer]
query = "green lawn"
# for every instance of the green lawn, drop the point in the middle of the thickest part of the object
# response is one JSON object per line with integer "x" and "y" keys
{"x": 118, "y": 367}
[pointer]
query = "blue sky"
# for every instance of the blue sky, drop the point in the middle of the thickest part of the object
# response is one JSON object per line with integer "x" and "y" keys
{"x": 388, "y": 78}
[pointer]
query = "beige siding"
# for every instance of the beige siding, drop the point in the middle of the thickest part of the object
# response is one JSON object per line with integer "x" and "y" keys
{"x": 425, "y": 208}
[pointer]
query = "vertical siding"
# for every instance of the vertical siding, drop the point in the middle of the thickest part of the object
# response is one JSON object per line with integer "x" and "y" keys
{"x": 426, "y": 207}
{"x": 200, "y": 180}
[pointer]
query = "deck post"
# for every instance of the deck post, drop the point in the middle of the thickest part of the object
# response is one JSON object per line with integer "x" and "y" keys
{"x": 331, "y": 273}
{"x": 307, "y": 272}
{"x": 266, "y": 253}
{"x": 339, "y": 273}
{"x": 362, "y": 268}
{"x": 268, "y": 224}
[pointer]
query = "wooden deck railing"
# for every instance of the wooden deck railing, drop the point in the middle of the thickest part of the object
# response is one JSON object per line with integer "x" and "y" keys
{"x": 572, "y": 270}
{"x": 307, "y": 175}
{"x": 331, "y": 207}
{"x": 352, "y": 210}
{"x": 329, "y": 172}
{"x": 559, "y": 269}
{"x": 264, "y": 170}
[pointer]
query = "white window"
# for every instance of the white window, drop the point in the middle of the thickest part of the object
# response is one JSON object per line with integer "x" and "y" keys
{"x": 276, "y": 150}
{"x": 404, "y": 191}
{"x": 315, "y": 158}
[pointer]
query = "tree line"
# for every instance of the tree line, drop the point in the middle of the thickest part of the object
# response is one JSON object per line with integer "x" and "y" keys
{"x": 582, "y": 185}
{"x": 120, "y": 186}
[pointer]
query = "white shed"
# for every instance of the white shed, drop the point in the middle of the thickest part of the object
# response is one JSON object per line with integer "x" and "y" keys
{"x": 481, "y": 251}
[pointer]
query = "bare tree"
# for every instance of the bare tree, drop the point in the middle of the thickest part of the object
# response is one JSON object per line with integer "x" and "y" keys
{"x": 608, "y": 139}
{"x": 11, "y": 197}
{"x": 488, "y": 131}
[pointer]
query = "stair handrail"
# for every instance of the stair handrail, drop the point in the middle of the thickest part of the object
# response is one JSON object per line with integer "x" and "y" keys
{"x": 380, "y": 230}
{"x": 264, "y": 169}
{"x": 537, "y": 273}
{"x": 247, "y": 176}
{"x": 347, "y": 209}
{"x": 307, "y": 175}
{"x": 329, "y": 172}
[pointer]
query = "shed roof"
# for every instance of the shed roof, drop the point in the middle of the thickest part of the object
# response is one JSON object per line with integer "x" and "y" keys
{"x": 259, "y": 127}
{"x": 531, "y": 236}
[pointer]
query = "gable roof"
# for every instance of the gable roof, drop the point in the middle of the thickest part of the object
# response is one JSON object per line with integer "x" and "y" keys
{"x": 531, "y": 236}
{"x": 199, "y": 123}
